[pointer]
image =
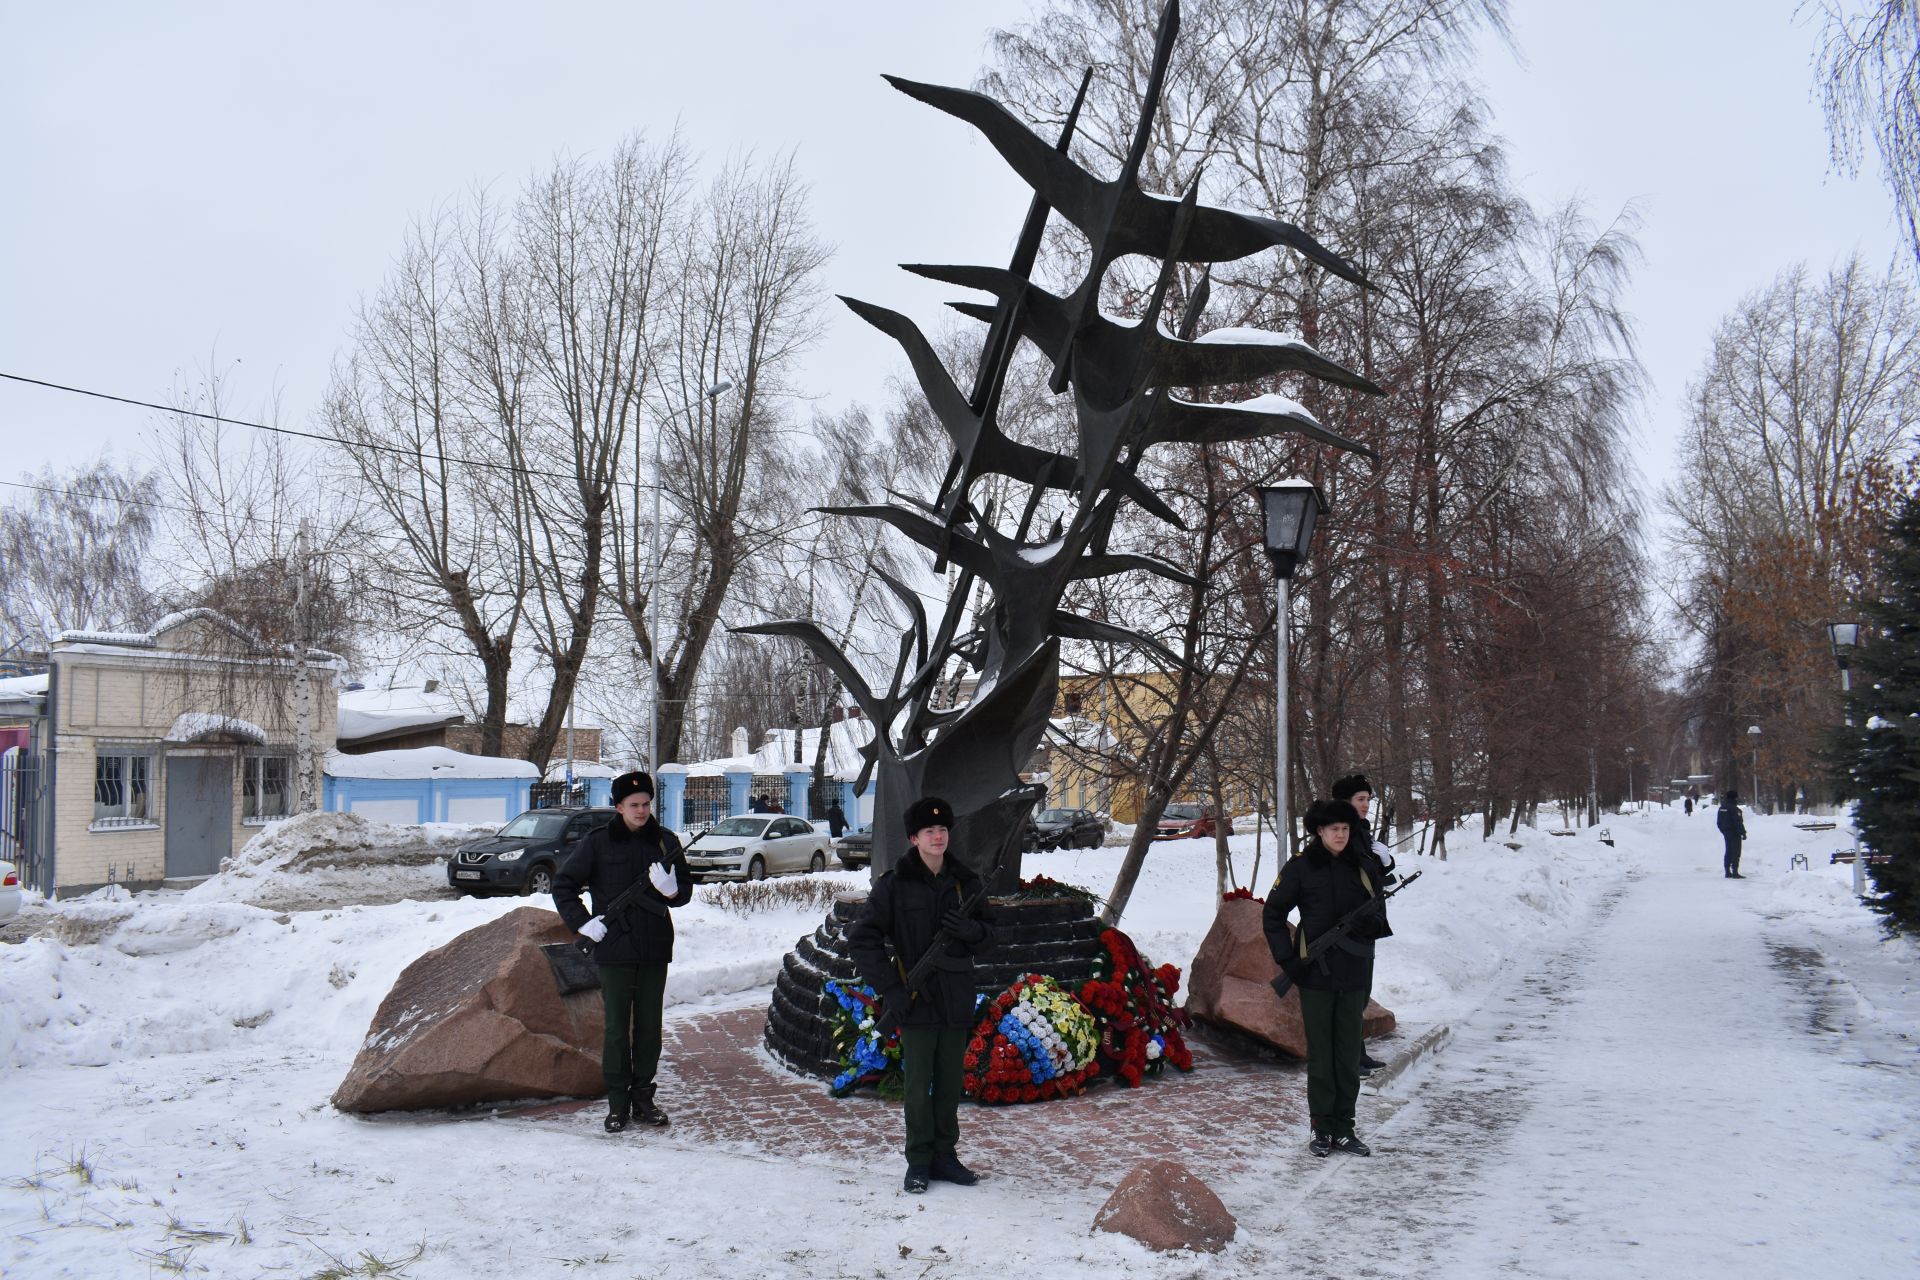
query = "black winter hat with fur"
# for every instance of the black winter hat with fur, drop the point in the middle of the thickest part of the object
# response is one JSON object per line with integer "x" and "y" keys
{"x": 1352, "y": 785}
{"x": 630, "y": 784}
{"x": 1325, "y": 813}
{"x": 928, "y": 811}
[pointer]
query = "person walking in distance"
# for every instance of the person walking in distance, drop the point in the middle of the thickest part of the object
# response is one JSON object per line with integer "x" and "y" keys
{"x": 1733, "y": 829}
{"x": 1324, "y": 883}
{"x": 919, "y": 904}
{"x": 632, "y": 946}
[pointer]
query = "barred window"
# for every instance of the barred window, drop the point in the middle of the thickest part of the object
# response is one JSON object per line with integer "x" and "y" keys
{"x": 265, "y": 788}
{"x": 120, "y": 793}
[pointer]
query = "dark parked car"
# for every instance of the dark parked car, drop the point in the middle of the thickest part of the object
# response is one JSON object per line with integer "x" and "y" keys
{"x": 522, "y": 856}
{"x": 1066, "y": 829}
{"x": 1181, "y": 821}
{"x": 854, "y": 849}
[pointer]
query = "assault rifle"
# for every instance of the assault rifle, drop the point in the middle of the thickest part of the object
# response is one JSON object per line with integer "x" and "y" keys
{"x": 571, "y": 961}
{"x": 1339, "y": 930}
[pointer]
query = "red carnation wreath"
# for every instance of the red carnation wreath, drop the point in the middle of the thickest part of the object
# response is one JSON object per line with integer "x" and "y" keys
{"x": 1140, "y": 1028}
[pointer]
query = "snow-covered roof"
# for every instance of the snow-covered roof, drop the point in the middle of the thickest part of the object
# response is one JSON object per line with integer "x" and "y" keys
{"x": 371, "y": 714}
{"x": 88, "y": 641}
{"x": 557, "y": 770}
{"x": 425, "y": 762}
{"x": 196, "y": 725}
{"x": 776, "y": 753}
{"x": 1077, "y": 731}
{"x": 24, "y": 686}
{"x": 387, "y": 708}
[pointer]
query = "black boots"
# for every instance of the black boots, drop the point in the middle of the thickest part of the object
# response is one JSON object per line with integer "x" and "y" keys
{"x": 644, "y": 1111}
{"x": 946, "y": 1167}
{"x": 1322, "y": 1143}
{"x": 617, "y": 1117}
{"x": 916, "y": 1181}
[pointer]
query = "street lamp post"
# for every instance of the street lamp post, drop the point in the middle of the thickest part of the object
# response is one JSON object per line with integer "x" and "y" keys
{"x": 1845, "y": 638}
{"x": 653, "y": 592}
{"x": 1753, "y": 740}
{"x": 1629, "y": 777}
{"x": 1291, "y": 507}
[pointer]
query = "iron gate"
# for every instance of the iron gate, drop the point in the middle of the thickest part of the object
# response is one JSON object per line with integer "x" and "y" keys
{"x": 25, "y": 840}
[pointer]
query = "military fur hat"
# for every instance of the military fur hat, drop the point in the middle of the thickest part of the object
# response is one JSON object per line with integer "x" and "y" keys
{"x": 1325, "y": 813}
{"x": 630, "y": 784}
{"x": 928, "y": 811}
{"x": 1352, "y": 785}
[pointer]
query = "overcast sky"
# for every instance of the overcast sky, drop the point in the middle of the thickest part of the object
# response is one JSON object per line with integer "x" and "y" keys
{"x": 185, "y": 179}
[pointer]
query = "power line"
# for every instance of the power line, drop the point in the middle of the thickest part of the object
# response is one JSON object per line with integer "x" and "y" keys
{"x": 289, "y": 431}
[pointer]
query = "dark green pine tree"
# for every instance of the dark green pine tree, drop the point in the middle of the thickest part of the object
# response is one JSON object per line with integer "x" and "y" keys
{"x": 1879, "y": 752}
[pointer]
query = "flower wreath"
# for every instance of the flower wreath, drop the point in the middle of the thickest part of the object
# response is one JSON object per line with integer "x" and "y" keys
{"x": 1140, "y": 1029}
{"x": 1034, "y": 1042}
{"x": 864, "y": 1057}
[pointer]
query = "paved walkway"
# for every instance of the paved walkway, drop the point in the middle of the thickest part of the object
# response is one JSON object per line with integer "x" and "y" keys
{"x": 1680, "y": 1087}
{"x": 723, "y": 1089}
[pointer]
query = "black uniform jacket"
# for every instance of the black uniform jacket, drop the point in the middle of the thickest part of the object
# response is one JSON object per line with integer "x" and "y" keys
{"x": 604, "y": 864}
{"x": 1732, "y": 825}
{"x": 1323, "y": 888}
{"x": 904, "y": 910}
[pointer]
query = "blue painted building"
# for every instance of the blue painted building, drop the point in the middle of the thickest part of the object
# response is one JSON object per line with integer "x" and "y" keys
{"x": 428, "y": 784}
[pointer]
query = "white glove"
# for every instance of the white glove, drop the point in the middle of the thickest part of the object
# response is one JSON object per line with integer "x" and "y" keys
{"x": 663, "y": 879}
{"x": 594, "y": 930}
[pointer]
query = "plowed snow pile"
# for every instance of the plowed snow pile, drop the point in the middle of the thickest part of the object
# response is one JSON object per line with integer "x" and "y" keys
{"x": 334, "y": 859}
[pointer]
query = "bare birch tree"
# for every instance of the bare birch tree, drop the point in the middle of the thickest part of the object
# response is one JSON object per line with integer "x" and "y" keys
{"x": 75, "y": 546}
{"x": 1868, "y": 72}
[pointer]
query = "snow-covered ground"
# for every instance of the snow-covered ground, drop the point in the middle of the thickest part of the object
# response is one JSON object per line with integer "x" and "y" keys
{"x": 1649, "y": 1026}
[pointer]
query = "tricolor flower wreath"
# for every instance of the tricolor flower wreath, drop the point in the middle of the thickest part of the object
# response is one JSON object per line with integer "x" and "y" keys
{"x": 864, "y": 1057}
{"x": 1139, "y": 1025}
{"x": 1034, "y": 1042}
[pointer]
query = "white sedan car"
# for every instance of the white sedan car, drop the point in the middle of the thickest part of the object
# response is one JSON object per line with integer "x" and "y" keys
{"x": 753, "y": 846}
{"x": 9, "y": 891}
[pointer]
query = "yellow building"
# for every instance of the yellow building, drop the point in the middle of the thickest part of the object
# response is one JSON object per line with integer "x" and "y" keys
{"x": 163, "y": 750}
{"x": 1101, "y": 729}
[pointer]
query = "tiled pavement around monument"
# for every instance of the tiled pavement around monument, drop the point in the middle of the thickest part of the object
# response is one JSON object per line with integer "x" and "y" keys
{"x": 723, "y": 1089}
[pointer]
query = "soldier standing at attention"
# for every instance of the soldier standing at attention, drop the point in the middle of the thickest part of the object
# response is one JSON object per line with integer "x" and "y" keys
{"x": 632, "y": 946}
{"x": 923, "y": 896}
{"x": 1326, "y": 881}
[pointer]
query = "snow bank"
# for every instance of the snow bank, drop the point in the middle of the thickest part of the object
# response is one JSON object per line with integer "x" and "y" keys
{"x": 143, "y": 975}
{"x": 318, "y": 839}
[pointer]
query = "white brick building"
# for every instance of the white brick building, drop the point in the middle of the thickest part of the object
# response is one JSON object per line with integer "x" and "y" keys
{"x": 163, "y": 749}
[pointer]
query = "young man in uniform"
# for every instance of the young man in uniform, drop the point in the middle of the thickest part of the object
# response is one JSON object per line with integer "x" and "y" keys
{"x": 925, "y": 896}
{"x": 1325, "y": 882}
{"x": 634, "y": 945}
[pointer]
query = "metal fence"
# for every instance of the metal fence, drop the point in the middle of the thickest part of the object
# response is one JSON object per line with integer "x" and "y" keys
{"x": 25, "y": 838}
{"x": 706, "y": 802}
{"x": 557, "y": 795}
